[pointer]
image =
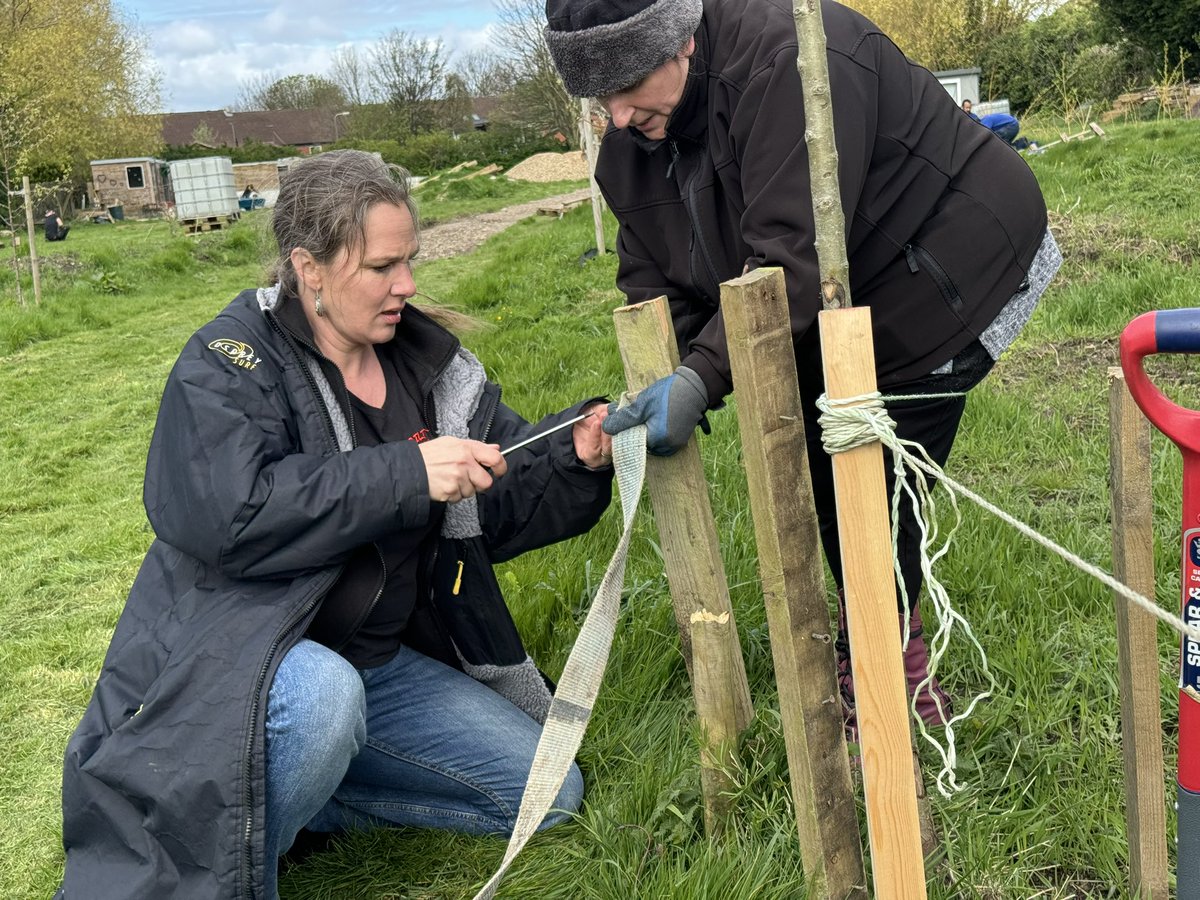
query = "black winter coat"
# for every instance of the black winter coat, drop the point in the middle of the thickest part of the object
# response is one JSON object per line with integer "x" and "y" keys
{"x": 942, "y": 218}
{"x": 256, "y": 509}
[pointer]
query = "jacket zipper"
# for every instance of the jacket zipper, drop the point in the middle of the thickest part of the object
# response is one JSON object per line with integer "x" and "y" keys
{"x": 916, "y": 254}
{"x": 248, "y": 754}
{"x": 487, "y": 426}
{"x": 697, "y": 232}
{"x": 308, "y": 376}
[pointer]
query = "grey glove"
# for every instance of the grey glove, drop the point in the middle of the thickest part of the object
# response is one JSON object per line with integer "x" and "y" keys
{"x": 671, "y": 408}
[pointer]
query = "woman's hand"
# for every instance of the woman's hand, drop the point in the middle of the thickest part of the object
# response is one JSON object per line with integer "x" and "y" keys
{"x": 458, "y": 468}
{"x": 592, "y": 445}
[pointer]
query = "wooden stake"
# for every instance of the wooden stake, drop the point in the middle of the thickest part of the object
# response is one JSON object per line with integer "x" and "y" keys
{"x": 1137, "y": 644}
{"x": 33, "y": 257}
{"x": 679, "y": 497}
{"x": 590, "y": 152}
{"x": 879, "y": 685}
{"x": 790, "y": 564}
{"x": 711, "y": 676}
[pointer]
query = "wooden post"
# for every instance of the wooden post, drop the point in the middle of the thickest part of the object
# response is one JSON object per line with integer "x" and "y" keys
{"x": 33, "y": 258}
{"x": 793, "y": 577}
{"x": 879, "y": 684}
{"x": 1137, "y": 644}
{"x": 679, "y": 497}
{"x": 590, "y": 152}
{"x": 711, "y": 677}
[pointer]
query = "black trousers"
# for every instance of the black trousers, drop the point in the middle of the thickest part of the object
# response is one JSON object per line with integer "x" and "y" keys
{"x": 931, "y": 423}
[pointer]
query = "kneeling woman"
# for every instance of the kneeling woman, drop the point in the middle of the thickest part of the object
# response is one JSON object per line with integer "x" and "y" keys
{"x": 316, "y": 638}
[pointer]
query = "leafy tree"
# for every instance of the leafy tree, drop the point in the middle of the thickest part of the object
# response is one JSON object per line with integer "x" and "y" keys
{"x": 293, "y": 92}
{"x": 1058, "y": 61}
{"x": 409, "y": 73}
{"x": 947, "y": 34}
{"x": 74, "y": 86}
{"x": 455, "y": 108}
{"x": 537, "y": 98}
{"x": 1153, "y": 24}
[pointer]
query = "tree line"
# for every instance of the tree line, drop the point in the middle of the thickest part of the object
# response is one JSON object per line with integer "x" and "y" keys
{"x": 74, "y": 83}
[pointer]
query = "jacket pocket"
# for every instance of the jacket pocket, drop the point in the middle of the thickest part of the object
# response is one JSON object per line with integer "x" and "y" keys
{"x": 919, "y": 259}
{"x": 468, "y": 604}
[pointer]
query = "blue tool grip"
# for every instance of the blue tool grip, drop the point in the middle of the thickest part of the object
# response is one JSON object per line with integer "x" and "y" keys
{"x": 1177, "y": 330}
{"x": 1187, "y": 865}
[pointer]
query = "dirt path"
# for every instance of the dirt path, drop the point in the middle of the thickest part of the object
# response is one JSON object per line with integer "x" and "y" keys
{"x": 464, "y": 235}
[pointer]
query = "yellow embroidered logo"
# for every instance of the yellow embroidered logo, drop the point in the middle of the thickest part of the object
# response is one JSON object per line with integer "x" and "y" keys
{"x": 240, "y": 353}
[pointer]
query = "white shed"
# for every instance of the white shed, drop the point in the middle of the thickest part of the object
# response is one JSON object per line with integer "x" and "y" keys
{"x": 961, "y": 84}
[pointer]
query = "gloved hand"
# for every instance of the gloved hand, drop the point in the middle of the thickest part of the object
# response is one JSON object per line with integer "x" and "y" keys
{"x": 671, "y": 408}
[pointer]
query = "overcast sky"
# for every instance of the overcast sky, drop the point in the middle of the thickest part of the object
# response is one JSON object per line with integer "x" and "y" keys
{"x": 206, "y": 48}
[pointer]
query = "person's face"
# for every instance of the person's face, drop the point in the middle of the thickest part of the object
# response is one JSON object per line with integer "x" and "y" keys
{"x": 966, "y": 106}
{"x": 363, "y": 295}
{"x": 648, "y": 104}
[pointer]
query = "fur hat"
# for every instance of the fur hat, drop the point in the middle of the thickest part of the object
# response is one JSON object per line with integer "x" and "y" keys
{"x": 601, "y": 47}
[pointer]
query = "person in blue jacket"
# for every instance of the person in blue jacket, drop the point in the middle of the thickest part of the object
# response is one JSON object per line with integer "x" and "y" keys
{"x": 1002, "y": 125}
{"x": 316, "y": 638}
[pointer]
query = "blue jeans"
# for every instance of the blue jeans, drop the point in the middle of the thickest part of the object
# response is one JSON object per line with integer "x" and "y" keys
{"x": 412, "y": 742}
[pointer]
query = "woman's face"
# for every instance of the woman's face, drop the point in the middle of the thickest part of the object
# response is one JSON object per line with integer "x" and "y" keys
{"x": 363, "y": 294}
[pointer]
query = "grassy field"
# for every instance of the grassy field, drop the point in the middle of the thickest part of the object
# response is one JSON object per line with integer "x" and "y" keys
{"x": 1042, "y": 810}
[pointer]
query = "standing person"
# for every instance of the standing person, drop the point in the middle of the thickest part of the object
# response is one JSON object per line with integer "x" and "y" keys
{"x": 53, "y": 227}
{"x": 705, "y": 167}
{"x": 316, "y": 637}
{"x": 966, "y": 107}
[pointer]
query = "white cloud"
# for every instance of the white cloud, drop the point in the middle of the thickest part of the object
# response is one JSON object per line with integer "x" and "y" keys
{"x": 185, "y": 39}
{"x": 207, "y": 53}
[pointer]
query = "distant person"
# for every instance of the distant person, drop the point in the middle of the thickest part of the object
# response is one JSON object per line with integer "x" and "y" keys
{"x": 249, "y": 193}
{"x": 54, "y": 227}
{"x": 1002, "y": 125}
{"x": 966, "y": 107}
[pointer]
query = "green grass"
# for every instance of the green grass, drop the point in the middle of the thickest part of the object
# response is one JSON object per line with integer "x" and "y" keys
{"x": 453, "y": 196}
{"x": 1042, "y": 812}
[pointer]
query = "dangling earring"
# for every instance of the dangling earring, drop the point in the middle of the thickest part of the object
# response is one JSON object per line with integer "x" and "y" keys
{"x": 320, "y": 310}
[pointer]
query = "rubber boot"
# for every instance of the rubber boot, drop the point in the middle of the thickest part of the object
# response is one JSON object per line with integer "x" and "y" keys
{"x": 916, "y": 668}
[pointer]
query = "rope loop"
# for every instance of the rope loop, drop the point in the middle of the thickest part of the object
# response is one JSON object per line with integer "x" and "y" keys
{"x": 854, "y": 421}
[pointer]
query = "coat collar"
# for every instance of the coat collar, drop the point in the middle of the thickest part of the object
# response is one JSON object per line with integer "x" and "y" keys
{"x": 425, "y": 346}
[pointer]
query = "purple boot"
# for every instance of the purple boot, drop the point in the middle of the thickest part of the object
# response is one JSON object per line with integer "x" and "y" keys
{"x": 916, "y": 669}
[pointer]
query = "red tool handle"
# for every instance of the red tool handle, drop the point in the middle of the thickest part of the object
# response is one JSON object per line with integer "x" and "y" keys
{"x": 1176, "y": 331}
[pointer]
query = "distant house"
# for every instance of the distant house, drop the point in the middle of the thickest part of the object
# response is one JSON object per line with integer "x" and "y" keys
{"x": 961, "y": 84}
{"x": 135, "y": 184}
{"x": 302, "y": 129}
{"x": 482, "y": 111}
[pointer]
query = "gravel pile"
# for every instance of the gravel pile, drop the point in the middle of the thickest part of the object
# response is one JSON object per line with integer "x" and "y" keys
{"x": 550, "y": 167}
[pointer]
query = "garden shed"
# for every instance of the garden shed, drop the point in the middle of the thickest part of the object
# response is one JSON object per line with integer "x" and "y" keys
{"x": 135, "y": 184}
{"x": 961, "y": 84}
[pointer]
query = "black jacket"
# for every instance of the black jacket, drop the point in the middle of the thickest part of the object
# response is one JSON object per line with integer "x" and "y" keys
{"x": 942, "y": 218}
{"x": 256, "y": 509}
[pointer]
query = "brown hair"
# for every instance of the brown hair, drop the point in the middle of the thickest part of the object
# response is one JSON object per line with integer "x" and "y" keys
{"x": 323, "y": 205}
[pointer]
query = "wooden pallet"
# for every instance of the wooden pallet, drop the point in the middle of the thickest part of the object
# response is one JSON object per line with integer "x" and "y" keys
{"x": 207, "y": 223}
{"x": 559, "y": 208}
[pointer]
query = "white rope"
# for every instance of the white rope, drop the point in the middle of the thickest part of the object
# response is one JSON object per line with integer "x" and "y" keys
{"x": 853, "y": 421}
{"x": 844, "y": 427}
{"x": 579, "y": 685}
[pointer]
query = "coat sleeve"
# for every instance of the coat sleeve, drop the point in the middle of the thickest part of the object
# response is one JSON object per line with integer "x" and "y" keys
{"x": 228, "y": 482}
{"x": 547, "y": 495}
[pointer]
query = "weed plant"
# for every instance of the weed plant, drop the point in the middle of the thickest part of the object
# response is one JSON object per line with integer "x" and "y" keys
{"x": 1041, "y": 813}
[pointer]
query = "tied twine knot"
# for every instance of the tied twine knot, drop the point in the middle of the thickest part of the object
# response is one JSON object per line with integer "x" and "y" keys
{"x": 851, "y": 422}
{"x": 855, "y": 421}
